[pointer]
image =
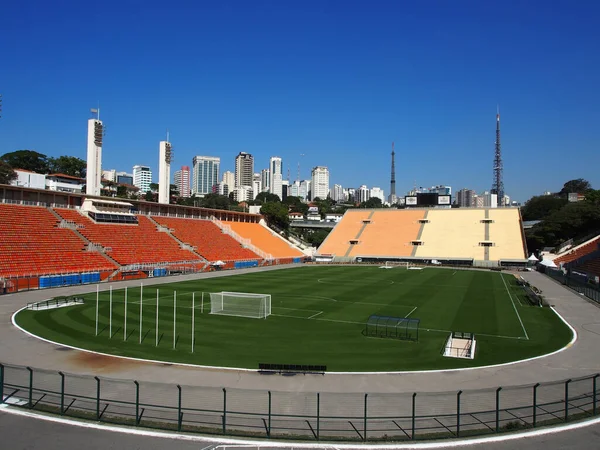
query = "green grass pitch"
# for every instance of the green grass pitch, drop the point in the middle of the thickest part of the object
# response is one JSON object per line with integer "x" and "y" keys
{"x": 318, "y": 316}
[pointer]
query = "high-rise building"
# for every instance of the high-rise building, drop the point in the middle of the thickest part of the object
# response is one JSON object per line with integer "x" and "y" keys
{"x": 256, "y": 185}
{"x": 142, "y": 177}
{"x": 363, "y": 194}
{"x": 110, "y": 175}
{"x": 265, "y": 179}
{"x": 205, "y": 174}
{"x": 182, "y": 181}
{"x": 304, "y": 191}
{"x": 94, "y": 155}
{"x": 320, "y": 182}
{"x": 243, "y": 194}
{"x": 465, "y": 198}
{"x": 124, "y": 178}
{"x": 244, "y": 169}
{"x": 285, "y": 189}
{"x": 378, "y": 193}
{"x": 490, "y": 200}
{"x": 338, "y": 193}
{"x": 229, "y": 180}
{"x": 275, "y": 168}
{"x": 164, "y": 172}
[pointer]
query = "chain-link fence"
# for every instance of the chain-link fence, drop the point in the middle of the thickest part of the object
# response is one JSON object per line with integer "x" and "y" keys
{"x": 300, "y": 415}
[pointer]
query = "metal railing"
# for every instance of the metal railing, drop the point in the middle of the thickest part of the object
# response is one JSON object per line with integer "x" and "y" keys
{"x": 299, "y": 415}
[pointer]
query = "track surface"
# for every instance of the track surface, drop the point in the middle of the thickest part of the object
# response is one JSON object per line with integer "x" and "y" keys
{"x": 578, "y": 360}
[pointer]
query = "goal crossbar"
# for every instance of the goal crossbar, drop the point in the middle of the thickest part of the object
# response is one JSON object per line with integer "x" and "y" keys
{"x": 240, "y": 304}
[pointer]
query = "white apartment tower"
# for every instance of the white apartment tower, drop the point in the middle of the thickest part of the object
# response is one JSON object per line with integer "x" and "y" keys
{"x": 320, "y": 182}
{"x": 275, "y": 168}
{"x": 205, "y": 174}
{"x": 229, "y": 180}
{"x": 244, "y": 169}
{"x": 142, "y": 177}
{"x": 93, "y": 181}
{"x": 265, "y": 178}
{"x": 182, "y": 181}
{"x": 164, "y": 172}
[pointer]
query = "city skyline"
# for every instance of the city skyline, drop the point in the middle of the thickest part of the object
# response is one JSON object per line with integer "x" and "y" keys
{"x": 336, "y": 83}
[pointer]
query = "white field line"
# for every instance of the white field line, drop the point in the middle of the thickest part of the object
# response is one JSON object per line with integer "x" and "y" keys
{"x": 315, "y": 315}
{"x": 514, "y": 306}
{"x": 411, "y": 311}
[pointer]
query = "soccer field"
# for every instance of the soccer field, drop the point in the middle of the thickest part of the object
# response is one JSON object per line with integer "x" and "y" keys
{"x": 318, "y": 317}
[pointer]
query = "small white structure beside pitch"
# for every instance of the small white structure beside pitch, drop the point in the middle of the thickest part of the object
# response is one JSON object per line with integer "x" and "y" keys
{"x": 460, "y": 345}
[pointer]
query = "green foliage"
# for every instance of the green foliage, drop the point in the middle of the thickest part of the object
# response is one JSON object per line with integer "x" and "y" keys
{"x": 154, "y": 187}
{"x": 541, "y": 206}
{"x": 574, "y": 220}
{"x": 150, "y": 197}
{"x": 373, "y": 202}
{"x": 578, "y": 186}
{"x": 316, "y": 237}
{"x": 121, "y": 191}
{"x": 69, "y": 165}
{"x": 296, "y": 204}
{"x": 27, "y": 160}
{"x": 264, "y": 197}
{"x": 7, "y": 174}
{"x": 215, "y": 201}
{"x": 276, "y": 214}
{"x": 593, "y": 196}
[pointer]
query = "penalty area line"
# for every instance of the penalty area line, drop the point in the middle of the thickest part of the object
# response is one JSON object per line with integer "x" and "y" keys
{"x": 411, "y": 311}
{"x": 315, "y": 315}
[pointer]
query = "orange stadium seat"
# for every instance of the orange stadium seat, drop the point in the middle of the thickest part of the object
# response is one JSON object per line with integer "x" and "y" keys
{"x": 264, "y": 239}
{"x": 131, "y": 244}
{"x": 31, "y": 243}
{"x": 208, "y": 239}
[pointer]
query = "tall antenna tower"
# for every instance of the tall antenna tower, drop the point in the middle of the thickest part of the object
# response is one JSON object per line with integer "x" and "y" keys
{"x": 393, "y": 180}
{"x": 498, "y": 184}
{"x": 298, "y": 175}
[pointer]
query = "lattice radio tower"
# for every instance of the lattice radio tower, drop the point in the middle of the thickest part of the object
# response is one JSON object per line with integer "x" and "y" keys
{"x": 498, "y": 184}
{"x": 393, "y": 179}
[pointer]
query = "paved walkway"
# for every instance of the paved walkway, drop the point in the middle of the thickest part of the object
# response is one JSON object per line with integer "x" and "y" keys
{"x": 578, "y": 360}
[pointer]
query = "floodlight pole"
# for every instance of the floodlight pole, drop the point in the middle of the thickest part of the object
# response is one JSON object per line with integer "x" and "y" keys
{"x": 156, "y": 337}
{"x": 125, "y": 319}
{"x": 174, "y": 319}
{"x": 141, "y": 303}
{"x": 110, "y": 315}
{"x": 193, "y": 317}
{"x": 97, "y": 300}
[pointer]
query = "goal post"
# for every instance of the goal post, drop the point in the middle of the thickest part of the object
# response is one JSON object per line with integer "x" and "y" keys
{"x": 240, "y": 304}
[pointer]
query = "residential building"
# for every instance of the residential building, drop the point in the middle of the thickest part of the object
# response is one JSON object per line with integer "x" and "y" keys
{"x": 465, "y": 198}
{"x": 142, "y": 177}
{"x": 363, "y": 193}
{"x": 243, "y": 194}
{"x": 265, "y": 178}
{"x": 256, "y": 185}
{"x": 338, "y": 193}
{"x": 294, "y": 189}
{"x": 205, "y": 174}
{"x": 490, "y": 200}
{"x": 229, "y": 180}
{"x": 319, "y": 182}
{"x": 275, "y": 167}
{"x": 244, "y": 169}
{"x": 110, "y": 175}
{"x": 304, "y": 192}
{"x": 182, "y": 181}
{"x": 378, "y": 193}
{"x": 222, "y": 188}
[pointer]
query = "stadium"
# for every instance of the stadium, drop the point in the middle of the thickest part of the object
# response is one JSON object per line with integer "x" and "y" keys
{"x": 209, "y": 322}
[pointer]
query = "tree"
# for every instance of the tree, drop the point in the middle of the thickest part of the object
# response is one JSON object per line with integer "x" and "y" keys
{"x": 541, "y": 206}
{"x": 593, "y": 196}
{"x": 149, "y": 197}
{"x": 154, "y": 187}
{"x": 578, "y": 186}
{"x": 122, "y": 191}
{"x": 27, "y": 160}
{"x": 69, "y": 165}
{"x": 215, "y": 201}
{"x": 7, "y": 174}
{"x": 264, "y": 197}
{"x": 373, "y": 202}
{"x": 316, "y": 237}
{"x": 276, "y": 214}
{"x": 296, "y": 204}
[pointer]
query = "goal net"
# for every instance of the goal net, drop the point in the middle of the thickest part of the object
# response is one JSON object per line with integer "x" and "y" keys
{"x": 392, "y": 264}
{"x": 241, "y": 304}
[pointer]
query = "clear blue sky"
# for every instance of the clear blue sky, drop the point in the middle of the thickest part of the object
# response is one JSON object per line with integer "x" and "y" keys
{"x": 335, "y": 81}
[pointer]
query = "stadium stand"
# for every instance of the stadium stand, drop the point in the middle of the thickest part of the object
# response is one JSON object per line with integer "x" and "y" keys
{"x": 578, "y": 251}
{"x": 505, "y": 233}
{"x": 264, "y": 239}
{"x": 485, "y": 235}
{"x": 32, "y": 243}
{"x": 338, "y": 241}
{"x": 388, "y": 236}
{"x": 453, "y": 233}
{"x": 138, "y": 243}
{"x": 209, "y": 240}
{"x": 591, "y": 266}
